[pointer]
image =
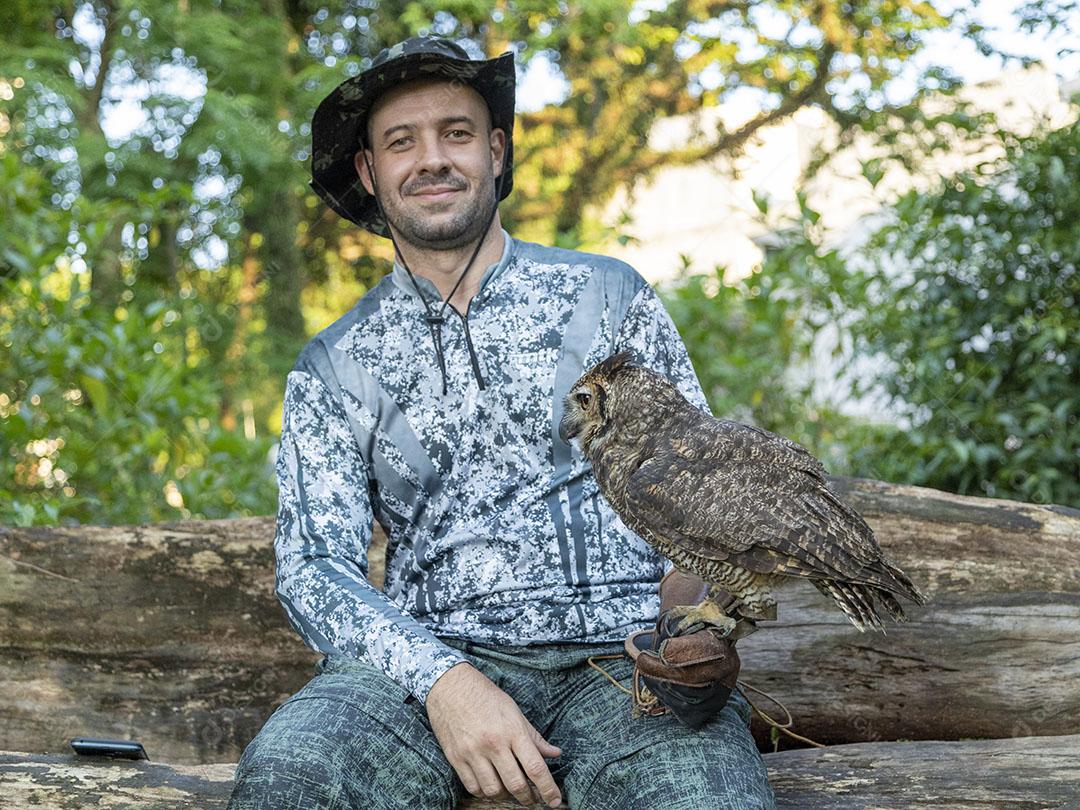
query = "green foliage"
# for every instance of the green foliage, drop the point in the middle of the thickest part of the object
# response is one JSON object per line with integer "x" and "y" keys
{"x": 972, "y": 301}
{"x": 752, "y": 339}
{"x": 966, "y": 303}
{"x": 742, "y": 338}
{"x": 103, "y": 241}
{"x": 110, "y": 415}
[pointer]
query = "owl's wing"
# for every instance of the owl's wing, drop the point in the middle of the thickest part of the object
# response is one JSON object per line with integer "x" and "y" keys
{"x": 764, "y": 511}
{"x": 706, "y": 437}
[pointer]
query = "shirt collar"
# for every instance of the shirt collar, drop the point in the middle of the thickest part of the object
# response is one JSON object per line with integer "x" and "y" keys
{"x": 401, "y": 276}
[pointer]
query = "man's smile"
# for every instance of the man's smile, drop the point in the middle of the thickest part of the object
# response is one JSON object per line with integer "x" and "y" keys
{"x": 435, "y": 189}
{"x": 436, "y": 192}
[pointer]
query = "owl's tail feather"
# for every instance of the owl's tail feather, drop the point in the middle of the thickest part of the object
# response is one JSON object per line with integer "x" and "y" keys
{"x": 899, "y": 583}
{"x": 864, "y": 598}
{"x": 857, "y": 602}
{"x": 891, "y": 605}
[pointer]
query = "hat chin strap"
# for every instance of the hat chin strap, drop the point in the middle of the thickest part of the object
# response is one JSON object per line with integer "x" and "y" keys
{"x": 437, "y": 318}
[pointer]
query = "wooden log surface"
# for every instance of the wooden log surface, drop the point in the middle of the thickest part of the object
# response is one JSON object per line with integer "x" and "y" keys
{"x": 1023, "y": 773}
{"x": 63, "y": 781}
{"x": 1027, "y": 772}
{"x": 171, "y": 634}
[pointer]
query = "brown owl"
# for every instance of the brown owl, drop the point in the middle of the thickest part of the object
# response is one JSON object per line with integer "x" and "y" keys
{"x": 740, "y": 507}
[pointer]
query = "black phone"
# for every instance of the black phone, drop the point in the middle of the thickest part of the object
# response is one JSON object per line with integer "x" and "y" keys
{"x": 117, "y": 749}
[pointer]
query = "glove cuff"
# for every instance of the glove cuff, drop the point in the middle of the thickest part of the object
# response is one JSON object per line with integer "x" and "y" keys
{"x": 693, "y": 660}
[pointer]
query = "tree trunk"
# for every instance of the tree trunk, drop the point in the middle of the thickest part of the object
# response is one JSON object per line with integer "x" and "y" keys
{"x": 106, "y": 271}
{"x": 171, "y": 634}
{"x": 283, "y": 267}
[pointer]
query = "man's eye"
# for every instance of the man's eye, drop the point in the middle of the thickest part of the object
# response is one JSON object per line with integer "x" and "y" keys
{"x": 460, "y": 133}
{"x": 396, "y": 144}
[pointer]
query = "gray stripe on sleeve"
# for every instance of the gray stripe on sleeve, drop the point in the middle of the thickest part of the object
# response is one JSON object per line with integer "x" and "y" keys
{"x": 576, "y": 341}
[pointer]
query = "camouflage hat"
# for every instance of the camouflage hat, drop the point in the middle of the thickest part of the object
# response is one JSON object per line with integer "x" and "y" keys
{"x": 337, "y": 126}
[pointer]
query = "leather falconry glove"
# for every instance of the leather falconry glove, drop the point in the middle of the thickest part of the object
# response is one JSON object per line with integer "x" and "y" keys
{"x": 691, "y": 672}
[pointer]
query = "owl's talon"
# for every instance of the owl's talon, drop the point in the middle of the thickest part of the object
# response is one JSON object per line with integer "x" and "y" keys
{"x": 708, "y": 614}
{"x": 725, "y": 625}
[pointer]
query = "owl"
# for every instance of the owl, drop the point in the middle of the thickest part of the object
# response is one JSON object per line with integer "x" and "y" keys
{"x": 742, "y": 508}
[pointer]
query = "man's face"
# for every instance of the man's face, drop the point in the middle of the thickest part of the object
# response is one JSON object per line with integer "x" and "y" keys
{"x": 435, "y": 158}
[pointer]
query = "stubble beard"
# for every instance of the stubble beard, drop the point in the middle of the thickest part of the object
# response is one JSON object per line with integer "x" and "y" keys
{"x": 463, "y": 228}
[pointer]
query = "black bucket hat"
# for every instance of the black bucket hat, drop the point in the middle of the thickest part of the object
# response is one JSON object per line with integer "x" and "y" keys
{"x": 338, "y": 124}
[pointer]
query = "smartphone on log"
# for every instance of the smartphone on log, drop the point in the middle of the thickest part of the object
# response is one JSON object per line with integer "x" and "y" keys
{"x": 117, "y": 749}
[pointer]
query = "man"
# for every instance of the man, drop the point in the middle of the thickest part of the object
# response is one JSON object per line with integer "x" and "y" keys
{"x": 433, "y": 406}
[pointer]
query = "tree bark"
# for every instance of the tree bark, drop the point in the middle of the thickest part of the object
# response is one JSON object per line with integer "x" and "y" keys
{"x": 171, "y": 634}
{"x": 60, "y": 782}
{"x": 1026, "y": 772}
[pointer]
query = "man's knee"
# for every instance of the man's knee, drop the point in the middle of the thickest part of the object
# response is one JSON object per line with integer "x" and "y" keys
{"x": 289, "y": 767}
{"x": 698, "y": 770}
{"x": 341, "y": 743}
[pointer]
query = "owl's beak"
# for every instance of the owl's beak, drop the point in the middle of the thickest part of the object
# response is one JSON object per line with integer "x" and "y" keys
{"x": 569, "y": 426}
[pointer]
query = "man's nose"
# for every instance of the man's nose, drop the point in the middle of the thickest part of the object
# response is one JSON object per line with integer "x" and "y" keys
{"x": 433, "y": 156}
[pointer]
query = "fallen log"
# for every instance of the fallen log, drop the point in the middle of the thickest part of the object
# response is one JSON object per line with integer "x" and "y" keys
{"x": 63, "y": 781}
{"x": 1035, "y": 772}
{"x": 171, "y": 634}
{"x": 1024, "y": 772}
{"x": 166, "y": 634}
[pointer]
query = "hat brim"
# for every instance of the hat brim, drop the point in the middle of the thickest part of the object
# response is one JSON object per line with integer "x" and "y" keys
{"x": 336, "y": 125}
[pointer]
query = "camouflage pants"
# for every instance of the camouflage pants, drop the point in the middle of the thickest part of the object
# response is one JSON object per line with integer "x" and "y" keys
{"x": 349, "y": 739}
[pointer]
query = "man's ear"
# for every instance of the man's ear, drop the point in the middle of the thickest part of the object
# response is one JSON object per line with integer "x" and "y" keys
{"x": 362, "y": 170}
{"x": 498, "y": 150}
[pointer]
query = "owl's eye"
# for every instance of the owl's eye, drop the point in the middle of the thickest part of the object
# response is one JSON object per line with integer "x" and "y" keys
{"x": 583, "y": 399}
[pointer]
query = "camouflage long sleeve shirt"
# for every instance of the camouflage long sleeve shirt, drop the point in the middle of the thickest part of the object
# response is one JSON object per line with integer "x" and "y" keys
{"x": 496, "y": 529}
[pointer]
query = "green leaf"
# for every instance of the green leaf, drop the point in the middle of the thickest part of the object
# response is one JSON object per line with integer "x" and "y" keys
{"x": 98, "y": 393}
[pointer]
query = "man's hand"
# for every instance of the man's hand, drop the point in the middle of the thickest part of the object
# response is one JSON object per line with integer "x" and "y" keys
{"x": 494, "y": 749}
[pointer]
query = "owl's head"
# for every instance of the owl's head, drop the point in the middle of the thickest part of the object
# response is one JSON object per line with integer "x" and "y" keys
{"x": 587, "y": 409}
